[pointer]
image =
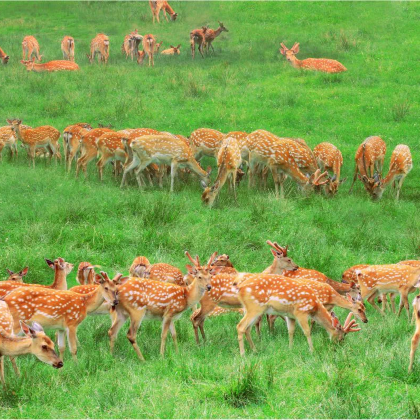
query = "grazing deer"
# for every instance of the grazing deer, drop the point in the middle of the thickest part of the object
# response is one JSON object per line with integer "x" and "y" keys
{"x": 110, "y": 146}
{"x": 17, "y": 276}
{"x": 35, "y": 342}
{"x": 99, "y": 45}
{"x": 30, "y": 48}
{"x": 34, "y": 138}
{"x": 369, "y": 157}
{"x": 172, "y": 50}
{"x": 89, "y": 148}
{"x": 8, "y": 138}
{"x": 228, "y": 162}
{"x": 161, "y": 5}
{"x": 61, "y": 310}
{"x": 163, "y": 149}
{"x": 57, "y": 65}
{"x": 210, "y": 35}
{"x": 72, "y": 136}
{"x": 416, "y": 336}
{"x": 330, "y": 158}
{"x": 149, "y": 44}
{"x": 197, "y": 37}
{"x": 130, "y": 46}
{"x": 279, "y": 295}
{"x": 399, "y": 167}
{"x": 139, "y": 299}
{"x": 67, "y": 48}
{"x": 205, "y": 142}
{"x": 4, "y": 57}
{"x": 318, "y": 64}
{"x": 139, "y": 267}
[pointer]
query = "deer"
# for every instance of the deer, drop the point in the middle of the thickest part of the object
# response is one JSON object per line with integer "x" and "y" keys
{"x": 197, "y": 37}
{"x": 370, "y": 156}
{"x": 163, "y": 149}
{"x": 130, "y": 46}
{"x": 67, "y": 48}
{"x": 30, "y": 48}
{"x": 35, "y": 342}
{"x": 330, "y": 158}
{"x": 61, "y": 310}
{"x": 210, "y": 35}
{"x": 140, "y": 299}
{"x": 149, "y": 44}
{"x": 4, "y": 57}
{"x": 228, "y": 162}
{"x": 9, "y": 139}
{"x": 17, "y": 276}
{"x": 279, "y": 295}
{"x": 50, "y": 66}
{"x": 399, "y": 167}
{"x": 110, "y": 146}
{"x": 416, "y": 336}
{"x": 161, "y": 5}
{"x": 72, "y": 136}
{"x": 205, "y": 142}
{"x": 157, "y": 47}
{"x": 89, "y": 148}
{"x": 172, "y": 50}
{"x": 99, "y": 45}
{"x": 324, "y": 65}
{"x": 35, "y": 138}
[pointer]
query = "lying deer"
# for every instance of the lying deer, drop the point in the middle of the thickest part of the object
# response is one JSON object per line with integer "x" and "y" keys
{"x": 161, "y": 5}
{"x": 172, "y": 50}
{"x": 4, "y": 57}
{"x": 50, "y": 66}
{"x": 99, "y": 46}
{"x": 17, "y": 276}
{"x": 210, "y": 35}
{"x": 318, "y": 64}
{"x": 30, "y": 48}
{"x": 205, "y": 142}
{"x": 67, "y": 48}
{"x": 197, "y": 37}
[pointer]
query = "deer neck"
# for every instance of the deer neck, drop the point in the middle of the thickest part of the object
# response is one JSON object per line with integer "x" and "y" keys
{"x": 169, "y": 9}
{"x": 197, "y": 169}
{"x": 60, "y": 280}
{"x": 274, "y": 268}
{"x": 296, "y": 63}
{"x": 14, "y": 346}
{"x": 388, "y": 179}
{"x": 217, "y": 32}
{"x": 94, "y": 300}
{"x": 194, "y": 293}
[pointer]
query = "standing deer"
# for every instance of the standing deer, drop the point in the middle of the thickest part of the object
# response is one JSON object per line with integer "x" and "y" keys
{"x": 130, "y": 46}
{"x": 99, "y": 45}
{"x": 210, "y": 35}
{"x": 325, "y": 65}
{"x": 17, "y": 276}
{"x": 399, "y": 167}
{"x": 30, "y": 48}
{"x": 4, "y": 57}
{"x": 205, "y": 142}
{"x": 8, "y": 138}
{"x": 330, "y": 158}
{"x": 197, "y": 37}
{"x": 369, "y": 157}
{"x": 149, "y": 44}
{"x": 172, "y": 50}
{"x": 50, "y": 66}
{"x": 161, "y": 5}
{"x": 72, "y": 136}
{"x": 67, "y": 48}
{"x": 35, "y": 138}
{"x": 228, "y": 162}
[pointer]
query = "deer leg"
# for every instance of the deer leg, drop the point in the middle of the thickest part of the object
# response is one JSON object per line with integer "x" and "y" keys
{"x": 118, "y": 320}
{"x": 135, "y": 323}
{"x": 72, "y": 339}
{"x": 404, "y": 301}
{"x": 31, "y": 151}
{"x": 392, "y": 300}
{"x": 2, "y": 371}
{"x": 414, "y": 345}
{"x": 244, "y": 324}
{"x": 384, "y": 301}
{"x": 371, "y": 300}
{"x": 165, "y": 326}
{"x": 354, "y": 179}
{"x": 399, "y": 186}
{"x": 257, "y": 327}
{"x": 15, "y": 367}
{"x": 61, "y": 339}
{"x": 302, "y": 319}
{"x": 173, "y": 334}
{"x": 174, "y": 166}
{"x": 291, "y": 325}
{"x": 200, "y": 48}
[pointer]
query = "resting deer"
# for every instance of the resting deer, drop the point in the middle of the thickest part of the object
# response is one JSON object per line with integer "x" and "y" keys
{"x": 205, "y": 142}
{"x": 130, "y": 46}
{"x": 416, "y": 336}
{"x": 325, "y": 65}
{"x": 210, "y": 35}
{"x": 197, "y": 37}
{"x": 99, "y": 45}
{"x": 399, "y": 167}
{"x": 279, "y": 295}
{"x": 61, "y": 310}
{"x": 369, "y": 157}
{"x": 30, "y": 48}
{"x": 149, "y": 44}
{"x": 172, "y": 50}
{"x": 8, "y": 138}
{"x": 228, "y": 162}
{"x": 140, "y": 299}
{"x": 35, "y": 138}
{"x": 50, "y": 66}
{"x": 17, "y": 276}
{"x": 4, "y": 57}
{"x": 72, "y": 136}
{"x": 330, "y": 158}
{"x": 67, "y": 48}
{"x": 110, "y": 146}
{"x": 161, "y": 5}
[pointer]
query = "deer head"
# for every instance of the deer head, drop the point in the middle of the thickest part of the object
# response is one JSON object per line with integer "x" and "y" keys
{"x": 5, "y": 59}
{"x": 109, "y": 288}
{"x": 17, "y": 276}
{"x": 222, "y": 27}
{"x": 331, "y": 187}
{"x": 280, "y": 254}
{"x": 176, "y": 49}
{"x": 374, "y": 186}
{"x": 202, "y": 274}
{"x": 222, "y": 261}
{"x": 290, "y": 54}
{"x": 29, "y": 64}
{"x": 339, "y": 331}
{"x": 60, "y": 264}
{"x": 174, "y": 16}
{"x": 359, "y": 309}
{"x": 317, "y": 179}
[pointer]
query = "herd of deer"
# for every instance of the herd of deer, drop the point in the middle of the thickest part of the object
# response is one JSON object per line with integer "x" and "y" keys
{"x": 152, "y": 153}
{"x": 160, "y": 291}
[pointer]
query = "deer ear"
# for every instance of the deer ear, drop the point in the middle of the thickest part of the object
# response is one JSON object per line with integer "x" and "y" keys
{"x": 98, "y": 279}
{"x": 171, "y": 46}
{"x": 117, "y": 278}
{"x": 178, "y": 46}
{"x": 24, "y": 271}
{"x": 27, "y": 330}
{"x": 50, "y": 263}
{"x": 191, "y": 269}
{"x": 124, "y": 279}
{"x": 334, "y": 321}
{"x": 37, "y": 327}
{"x": 295, "y": 48}
{"x": 10, "y": 272}
{"x": 216, "y": 270}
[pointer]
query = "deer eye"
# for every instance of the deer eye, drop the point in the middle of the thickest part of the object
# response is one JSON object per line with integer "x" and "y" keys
{"x": 106, "y": 288}
{"x": 44, "y": 347}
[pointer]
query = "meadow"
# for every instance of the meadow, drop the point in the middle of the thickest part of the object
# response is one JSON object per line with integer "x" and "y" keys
{"x": 247, "y": 85}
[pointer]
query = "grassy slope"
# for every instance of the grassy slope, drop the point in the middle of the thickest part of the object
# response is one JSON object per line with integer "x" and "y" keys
{"x": 46, "y": 213}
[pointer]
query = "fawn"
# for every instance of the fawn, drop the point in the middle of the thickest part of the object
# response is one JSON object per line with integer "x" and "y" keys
{"x": 330, "y": 158}
{"x": 318, "y": 64}
{"x": 205, "y": 142}
{"x": 161, "y": 5}
{"x": 17, "y": 276}
{"x": 4, "y": 57}
{"x": 228, "y": 162}
{"x": 30, "y": 48}
{"x": 67, "y": 48}
{"x": 8, "y": 138}
{"x": 99, "y": 45}
{"x": 130, "y": 46}
{"x": 210, "y": 35}
{"x": 369, "y": 157}
{"x": 57, "y": 65}
{"x": 172, "y": 50}
{"x": 72, "y": 136}
{"x": 197, "y": 37}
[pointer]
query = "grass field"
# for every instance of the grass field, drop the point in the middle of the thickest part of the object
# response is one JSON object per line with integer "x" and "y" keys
{"x": 46, "y": 213}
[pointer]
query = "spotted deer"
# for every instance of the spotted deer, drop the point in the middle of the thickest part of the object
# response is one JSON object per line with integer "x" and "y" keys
{"x": 205, "y": 142}
{"x": 8, "y": 139}
{"x": 161, "y": 5}
{"x": 318, "y": 64}
{"x": 399, "y": 167}
{"x": 30, "y": 48}
{"x": 130, "y": 46}
{"x": 89, "y": 148}
{"x": 172, "y": 50}
{"x": 330, "y": 158}
{"x": 4, "y": 57}
{"x": 416, "y": 336}
{"x": 141, "y": 299}
{"x": 35, "y": 138}
{"x": 369, "y": 157}
{"x": 210, "y": 35}
{"x": 67, "y": 48}
{"x": 228, "y": 162}
{"x": 50, "y": 66}
{"x": 139, "y": 266}
{"x": 72, "y": 136}
{"x": 149, "y": 44}
{"x": 163, "y": 149}
{"x": 35, "y": 342}
{"x": 197, "y": 37}
{"x": 110, "y": 146}
{"x": 17, "y": 276}
{"x": 60, "y": 310}
{"x": 99, "y": 46}
{"x": 279, "y": 295}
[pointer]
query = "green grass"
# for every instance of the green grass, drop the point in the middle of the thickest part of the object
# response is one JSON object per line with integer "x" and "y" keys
{"x": 46, "y": 213}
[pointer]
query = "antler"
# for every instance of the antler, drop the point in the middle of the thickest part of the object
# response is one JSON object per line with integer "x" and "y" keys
{"x": 283, "y": 46}
{"x": 350, "y": 324}
{"x": 278, "y": 248}
{"x": 318, "y": 175}
{"x": 211, "y": 259}
{"x": 196, "y": 262}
